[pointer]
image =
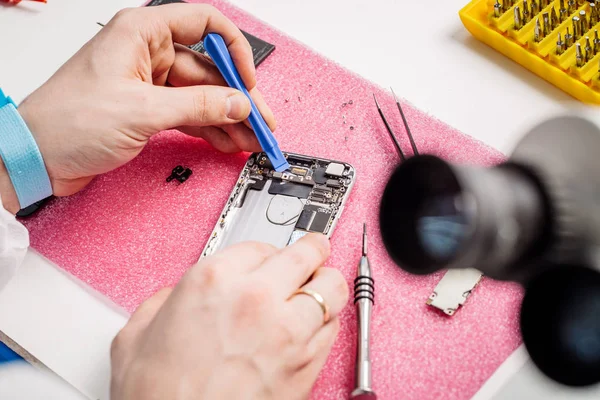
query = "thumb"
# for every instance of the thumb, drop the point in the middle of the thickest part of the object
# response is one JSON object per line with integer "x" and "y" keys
{"x": 198, "y": 106}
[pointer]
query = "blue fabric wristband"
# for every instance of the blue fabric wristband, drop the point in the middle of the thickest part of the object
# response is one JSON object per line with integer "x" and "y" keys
{"x": 21, "y": 156}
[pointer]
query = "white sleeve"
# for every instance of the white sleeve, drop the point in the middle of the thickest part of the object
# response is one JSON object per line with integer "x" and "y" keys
{"x": 14, "y": 241}
{"x": 19, "y": 380}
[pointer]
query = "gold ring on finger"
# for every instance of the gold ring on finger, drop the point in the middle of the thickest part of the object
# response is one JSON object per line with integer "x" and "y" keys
{"x": 319, "y": 299}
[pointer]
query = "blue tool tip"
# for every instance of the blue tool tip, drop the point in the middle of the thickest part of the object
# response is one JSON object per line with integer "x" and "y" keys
{"x": 277, "y": 158}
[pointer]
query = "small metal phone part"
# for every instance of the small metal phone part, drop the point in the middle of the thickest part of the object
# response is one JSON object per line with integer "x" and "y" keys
{"x": 454, "y": 289}
{"x": 180, "y": 174}
{"x": 299, "y": 171}
{"x": 334, "y": 169}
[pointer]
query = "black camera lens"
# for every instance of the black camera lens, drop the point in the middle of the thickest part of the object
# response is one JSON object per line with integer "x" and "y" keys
{"x": 560, "y": 324}
{"x": 423, "y": 216}
{"x": 442, "y": 226}
{"x": 435, "y": 215}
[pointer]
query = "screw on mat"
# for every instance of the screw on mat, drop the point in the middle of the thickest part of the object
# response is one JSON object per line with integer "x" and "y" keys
{"x": 180, "y": 174}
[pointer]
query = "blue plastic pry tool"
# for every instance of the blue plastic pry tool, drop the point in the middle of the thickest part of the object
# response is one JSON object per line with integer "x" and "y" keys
{"x": 218, "y": 52}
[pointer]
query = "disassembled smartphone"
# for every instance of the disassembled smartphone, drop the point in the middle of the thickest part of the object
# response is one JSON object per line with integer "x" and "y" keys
{"x": 281, "y": 207}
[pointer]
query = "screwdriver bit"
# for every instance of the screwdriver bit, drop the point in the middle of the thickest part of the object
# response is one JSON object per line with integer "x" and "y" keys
{"x": 553, "y": 19}
{"x": 534, "y": 8}
{"x": 579, "y": 55}
{"x": 525, "y": 14}
{"x": 576, "y": 28}
{"x": 537, "y": 31}
{"x": 497, "y": 9}
{"x": 568, "y": 39}
{"x": 518, "y": 21}
{"x": 583, "y": 21}
{"x": 560, "y": 45}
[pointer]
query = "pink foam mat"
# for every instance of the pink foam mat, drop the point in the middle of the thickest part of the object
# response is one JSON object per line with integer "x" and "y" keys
{"x": 129, "y": 233}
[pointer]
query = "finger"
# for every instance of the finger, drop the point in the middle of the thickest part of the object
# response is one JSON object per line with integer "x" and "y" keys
{"x": 242, "y": 257}
{"x": 189, "y": 23}
{"x": 263, "y": 108}
{"x": 197, "y": 106}
{"x": 291, "y": 267}
{"x": 216, "y": 137}
{"x": 146, "y": 312}
{"x": 318, "y": 350}
{"x": 190, "y": 69}
{"x": 243, "y": 137}
{"x": 231, "y": 261}
{"x": 332, "y": 287}
{"x": 137, "y": 324}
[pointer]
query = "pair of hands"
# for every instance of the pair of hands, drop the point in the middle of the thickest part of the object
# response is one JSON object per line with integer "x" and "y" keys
{"x": 232, "y": 328}
{"x": 133, "y": 79}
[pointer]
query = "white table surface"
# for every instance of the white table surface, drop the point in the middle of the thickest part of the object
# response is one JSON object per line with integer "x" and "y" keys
{"x": 422, "y": 50}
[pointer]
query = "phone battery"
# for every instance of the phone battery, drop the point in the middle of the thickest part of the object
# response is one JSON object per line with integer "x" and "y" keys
{"x": 260, "y": 48}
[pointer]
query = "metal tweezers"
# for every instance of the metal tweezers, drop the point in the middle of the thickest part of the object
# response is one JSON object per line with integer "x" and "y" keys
{"x": 389, "y": 128}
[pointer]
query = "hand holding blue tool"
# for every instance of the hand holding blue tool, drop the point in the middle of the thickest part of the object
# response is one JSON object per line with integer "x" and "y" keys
{"x": 217, "y": 50}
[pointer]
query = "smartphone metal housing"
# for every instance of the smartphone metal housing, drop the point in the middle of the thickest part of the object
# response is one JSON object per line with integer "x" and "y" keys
{"x": 281, "y": 207}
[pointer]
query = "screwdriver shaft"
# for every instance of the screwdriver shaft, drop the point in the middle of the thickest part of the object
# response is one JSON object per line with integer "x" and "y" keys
{"x": 364, "y": 251}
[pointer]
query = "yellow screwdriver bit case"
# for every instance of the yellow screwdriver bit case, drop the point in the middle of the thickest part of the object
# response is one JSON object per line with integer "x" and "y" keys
{"x": 527, "y": 31}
